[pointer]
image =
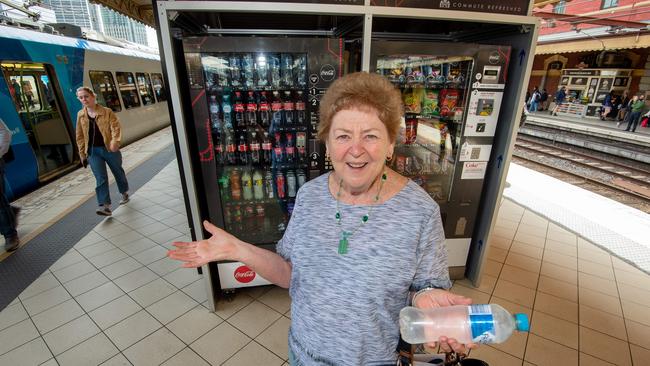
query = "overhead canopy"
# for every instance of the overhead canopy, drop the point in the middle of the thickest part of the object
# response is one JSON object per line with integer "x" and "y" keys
{"x": 140, "y": 10}
{"x": 600, "y": 44}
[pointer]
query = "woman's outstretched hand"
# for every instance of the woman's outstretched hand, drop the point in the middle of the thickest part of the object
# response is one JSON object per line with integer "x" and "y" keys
{"x": 437, "y": 298}
{"x": 220, "y": 246}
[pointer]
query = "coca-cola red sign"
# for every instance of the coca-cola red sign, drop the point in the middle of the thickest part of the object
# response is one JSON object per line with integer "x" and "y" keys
{"x": 244, "y": 274}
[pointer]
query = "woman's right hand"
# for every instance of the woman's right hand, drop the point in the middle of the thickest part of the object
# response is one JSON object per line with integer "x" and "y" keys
{"x": 220, "y": 246}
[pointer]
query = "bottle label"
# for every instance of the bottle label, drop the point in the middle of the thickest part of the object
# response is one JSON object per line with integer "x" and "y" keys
{"x": 482, "y": 324}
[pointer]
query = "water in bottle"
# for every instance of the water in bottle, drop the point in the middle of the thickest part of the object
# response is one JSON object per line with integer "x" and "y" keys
{"x": 234, "y": 62}
{"x": 248, "y": 67}
{"x": 262, "y": 70}
{"x": 291, "y": 184}
{"x": 226, "y": 108}
{"x": 274, "y": 71}
{"x": 286, "y": 70}
{"x": 488, "y": 323}
{"x": 301, "y": 70}
{"x": 214, "y": 114}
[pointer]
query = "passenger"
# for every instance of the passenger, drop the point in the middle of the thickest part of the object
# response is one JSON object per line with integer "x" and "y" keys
{"x": 637, "y": 109}
{"x": 98, "y": 138}
{"x": 534, "y": 100}
{"x": 607, "y": 106}
{"x": 8, "y": 213}
{"x": 17, "y": 93}
{"x": 623, "y": 109}
{"x": 560, "y": 97}
{"x": 543, "y": 99}
{"x": 362, "y": 243}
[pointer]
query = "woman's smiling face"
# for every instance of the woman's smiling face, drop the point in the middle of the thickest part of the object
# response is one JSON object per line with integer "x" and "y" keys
{"x": 358, "y": 145}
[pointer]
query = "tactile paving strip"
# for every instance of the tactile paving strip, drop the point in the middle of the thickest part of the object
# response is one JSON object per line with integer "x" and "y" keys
{"x": 25, "y": 265}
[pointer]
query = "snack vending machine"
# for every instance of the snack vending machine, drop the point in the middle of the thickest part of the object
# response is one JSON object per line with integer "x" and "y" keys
{"x": 255, "y": 106}
{"x": 452, "y": 97}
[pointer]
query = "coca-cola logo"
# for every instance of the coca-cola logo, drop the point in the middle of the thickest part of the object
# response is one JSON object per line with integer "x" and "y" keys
{"x": 244, "y": 274}
{"x": 327, "y": 72}
{"x": 494, "y": 58}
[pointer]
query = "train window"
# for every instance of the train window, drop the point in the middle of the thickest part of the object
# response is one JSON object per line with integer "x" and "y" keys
{"x": 159, "y": 87}
{"x": 129, "y": 92}
{"x": 25, "y": 92}
{"x": 144, "y": 85}
{"x": 104, "y": 87}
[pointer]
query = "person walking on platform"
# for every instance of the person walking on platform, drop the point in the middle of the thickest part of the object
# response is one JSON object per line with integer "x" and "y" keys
{"x": 607, "y": 106}
{"x": 348, "y": 259}
{"x": 560, "y": 97}
{"x": 99, "y": 135}
{"x": 637, "y": 109}
{"x": 543, "y": 99}
{"x": 535, "y": 96}
{"x": 8, "y": 213}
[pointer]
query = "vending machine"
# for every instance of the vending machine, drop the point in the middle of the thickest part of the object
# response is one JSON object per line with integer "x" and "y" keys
{"x": 452, "y": 99}
{"x": 246, "y": 79}
{"x": 254, "y": 107}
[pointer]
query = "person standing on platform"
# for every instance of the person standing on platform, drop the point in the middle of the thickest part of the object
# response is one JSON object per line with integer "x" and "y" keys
{"x": 99, "y": 135}
{"x": 623, "y": 108}
{"x": 8, "y": 213}
{"x": 560, "y": 97}
{"x": 543, "y": 100}
{"x": 607, "y": 106}
{"x": 637, "y": 109}
{"x": 535, "y": 96}
{"x": 362, "y": 243}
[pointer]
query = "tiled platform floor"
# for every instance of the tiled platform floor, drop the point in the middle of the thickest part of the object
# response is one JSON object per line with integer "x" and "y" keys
{"x": 115, "y": 299}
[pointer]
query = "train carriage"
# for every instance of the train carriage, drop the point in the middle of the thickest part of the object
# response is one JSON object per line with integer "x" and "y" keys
{"x": 40, "y": 74}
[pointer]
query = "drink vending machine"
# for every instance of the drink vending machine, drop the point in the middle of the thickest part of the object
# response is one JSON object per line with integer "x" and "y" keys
{"x": 255, "y": 101}
{"x": 245, "y": 81}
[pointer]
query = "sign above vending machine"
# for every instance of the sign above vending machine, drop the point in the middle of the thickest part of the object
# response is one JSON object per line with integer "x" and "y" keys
{"x": 515, "y": 7}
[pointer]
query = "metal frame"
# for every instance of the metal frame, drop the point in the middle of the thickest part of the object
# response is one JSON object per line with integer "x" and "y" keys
{"x": 368, "y": 13}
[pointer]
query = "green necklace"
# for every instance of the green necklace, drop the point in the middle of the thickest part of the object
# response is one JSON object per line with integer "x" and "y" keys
{"x": 345, "y": 235}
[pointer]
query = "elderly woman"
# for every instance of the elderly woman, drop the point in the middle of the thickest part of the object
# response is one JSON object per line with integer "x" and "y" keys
{"x": 362, "y": 243}
{"x": 98, "y": 138}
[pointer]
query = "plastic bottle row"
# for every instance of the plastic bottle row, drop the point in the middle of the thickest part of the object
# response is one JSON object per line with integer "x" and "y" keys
{"x": 415, "y": 70}
{"x": 275, "y": 109}
{"x": 261, "y": 148}
{"x": 248, "y": 185}
{"x": 259, "y": 70}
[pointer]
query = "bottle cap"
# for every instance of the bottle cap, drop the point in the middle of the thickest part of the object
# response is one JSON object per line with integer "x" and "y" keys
{"x": 523, "y": 325}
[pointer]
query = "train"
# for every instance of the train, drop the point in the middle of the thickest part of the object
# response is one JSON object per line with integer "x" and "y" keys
{"x": 40, "y": 75}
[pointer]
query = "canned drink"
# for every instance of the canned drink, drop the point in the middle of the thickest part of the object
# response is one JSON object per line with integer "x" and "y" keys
{"x": 400, "y": 164}
{"x": 411, "y": 130}
{"x": 280, "y": 182}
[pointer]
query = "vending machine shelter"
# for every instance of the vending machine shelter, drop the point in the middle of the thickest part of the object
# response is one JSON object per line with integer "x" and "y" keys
{"x": 246, "y": 80}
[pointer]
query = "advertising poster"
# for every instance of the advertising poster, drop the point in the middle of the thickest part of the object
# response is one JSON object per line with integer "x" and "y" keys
{"x": 474, "y": 170}
{"x": 483, "y": 113}
{"x": 605, "y": 84}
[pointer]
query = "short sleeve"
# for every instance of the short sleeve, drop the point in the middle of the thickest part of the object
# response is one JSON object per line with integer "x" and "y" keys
{"x": 284, "y": 245}
{"x": 432, "y": 268}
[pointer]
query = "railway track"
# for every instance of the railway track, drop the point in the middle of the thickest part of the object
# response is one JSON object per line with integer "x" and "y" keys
{"x": 608, "y": 174}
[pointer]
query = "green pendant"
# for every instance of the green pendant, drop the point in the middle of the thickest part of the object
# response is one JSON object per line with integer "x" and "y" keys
{"x": 343, "y": 243}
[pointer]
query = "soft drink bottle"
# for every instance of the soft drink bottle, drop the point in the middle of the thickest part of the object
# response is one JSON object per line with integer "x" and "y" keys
{"x": 219, "y": 149}
{"x": 239, "y": 120}
{"x": 258, "y": 185}
{"x": 274, "y": 71}
{"x": 276, "y": 110}
{"x": 301, "y": 146}
{"x": 235, "y": 70}
{"x": 251, "y": 109}
{"x": 300, "y": 114}
{"x": 301, "y": 71}
{"x": 286, "y": 70}
{"x": 255, "y": 148}
{"x": 268, "y": 184}
{"x": 259, "y": 216}
{"x": 224, "y": 186}
{"x": 231, "y": 150}
{"x": 291, "y": 184}
{"x": 267, "y": 149}
{"x": 278, "y": 150}
{"x": 235, "y": 185}
{"x": 264, "y": 110}
{"x": 301, "y": 177}
{"x": 288, "y": 107}
{"x": 290, "y": 148}
{"x": 248, "y": 67}
{"x": 262, "y": 70}
{"x": 242, "y": 149}
{"x": 249, "y": 218}
{"x": 247, "y": 185}
{"x": 280, "y": 182}
{"x": 214, "y": 114}
{"x": 226, "y": 108}
{"x": 489, "y": 323}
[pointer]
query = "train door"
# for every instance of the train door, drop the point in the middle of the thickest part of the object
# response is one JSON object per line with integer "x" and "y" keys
{"x": 38, "y": 102}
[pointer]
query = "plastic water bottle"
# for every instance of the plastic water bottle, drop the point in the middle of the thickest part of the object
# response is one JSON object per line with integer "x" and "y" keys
{"x": 489, "y": 323}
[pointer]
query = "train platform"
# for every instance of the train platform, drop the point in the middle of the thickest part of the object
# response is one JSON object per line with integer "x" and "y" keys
{"x": 87, "y": 290}
{"x": 607, "y": 128}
